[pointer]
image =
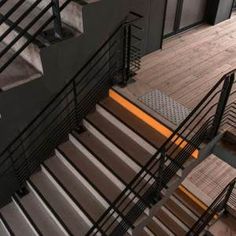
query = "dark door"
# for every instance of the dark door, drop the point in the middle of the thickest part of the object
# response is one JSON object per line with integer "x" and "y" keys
{"x": 183, "y": 14}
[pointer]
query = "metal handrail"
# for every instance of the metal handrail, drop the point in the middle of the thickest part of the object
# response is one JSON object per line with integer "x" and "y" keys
{"x": 71, "y": 104}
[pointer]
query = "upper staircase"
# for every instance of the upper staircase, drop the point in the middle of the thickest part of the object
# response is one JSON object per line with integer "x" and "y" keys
{"x": 26, "y": 27}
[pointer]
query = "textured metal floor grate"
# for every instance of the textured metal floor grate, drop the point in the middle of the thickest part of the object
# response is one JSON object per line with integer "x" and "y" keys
{"x": 165, "y": 106}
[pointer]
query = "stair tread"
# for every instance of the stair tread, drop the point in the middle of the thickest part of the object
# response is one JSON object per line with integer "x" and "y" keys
{"x": 124, "y": 142}
{"x": 189, "y": 203}
{"x": 16, "y": 221}
{"x": 107, "y": 156}
{"x": 62, "y": 207}
{"x": 40, "y": 216}
{"x": 76, "y": 188}
{"x": 20, "y": 11}
{"x": 180, "y": 213}
{"x": 171, "y": 223}
{"x": 18, "y": 72}
{"x": 139, "y": 126}
{"x": 96, "y": 176}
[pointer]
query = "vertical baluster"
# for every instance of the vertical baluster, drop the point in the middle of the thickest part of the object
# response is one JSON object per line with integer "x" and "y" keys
{"x": 223, "y": 100}
{"x": 57, "y": 19}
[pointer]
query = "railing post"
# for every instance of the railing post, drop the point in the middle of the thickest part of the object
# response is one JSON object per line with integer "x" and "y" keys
{"x": 57, "y": 19}
{"x": 75, "y": 102}
{"x": 223, "y": 100}
{"x": 127, "y": 54}
{"x": 159, "y": 179}
{"x": 228, "y": 194}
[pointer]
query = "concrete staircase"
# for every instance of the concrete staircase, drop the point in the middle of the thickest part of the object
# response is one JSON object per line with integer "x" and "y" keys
{"x": 15, "y": 16}
{"x": 74, "y": 187}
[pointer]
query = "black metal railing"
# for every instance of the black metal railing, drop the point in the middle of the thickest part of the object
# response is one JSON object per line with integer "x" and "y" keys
{"x": 32, "y": 32}
{"x": 65, "y": 111}
{"x": 145, "y": 189}
{"x": 218, "y": 205}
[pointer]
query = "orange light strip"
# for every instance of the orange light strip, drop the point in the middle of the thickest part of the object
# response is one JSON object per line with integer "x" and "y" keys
{"x": 195, "y": 199}
{"x": 147, "y": 119}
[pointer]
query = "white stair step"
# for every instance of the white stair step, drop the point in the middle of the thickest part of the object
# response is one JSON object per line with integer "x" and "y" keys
{"x": 67, "y": 212}
{"x": 75, "y": 188}
{"x": 16, "y": 221}
{"x": 124, "y": 128}
{"x": 39, "y": 215}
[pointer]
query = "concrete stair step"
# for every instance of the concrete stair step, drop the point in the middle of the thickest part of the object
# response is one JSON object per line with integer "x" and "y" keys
{"x": 188, "y": 202}
{"x": 19, "y": 72}
{"x": 61, "y": 204}
{"x": 105, "y": 155}
{"x": 104, "y": 187}
{"x": 126, "y": 144}
{"x": 75, "y": 188}
{"x": 172, "y": 222}
{"x": 42, "y": 219}
{"x": 16, "y": 221}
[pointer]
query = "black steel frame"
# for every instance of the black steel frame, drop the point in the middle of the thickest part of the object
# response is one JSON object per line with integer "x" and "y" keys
{"x": 146, "y": 187}
{"x": 114, "y": 62}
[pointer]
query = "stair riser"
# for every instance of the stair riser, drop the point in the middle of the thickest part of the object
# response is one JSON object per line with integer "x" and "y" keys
{"x": 31, "y": 53}
{"x": 126, "y": 130}
{"x": 71, "y": 15}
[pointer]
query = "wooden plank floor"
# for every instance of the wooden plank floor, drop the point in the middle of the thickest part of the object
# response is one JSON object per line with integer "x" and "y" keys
{"x": 189, "y": 64}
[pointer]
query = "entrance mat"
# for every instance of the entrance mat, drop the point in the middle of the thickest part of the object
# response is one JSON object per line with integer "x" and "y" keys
{"x": 165, "y": 106}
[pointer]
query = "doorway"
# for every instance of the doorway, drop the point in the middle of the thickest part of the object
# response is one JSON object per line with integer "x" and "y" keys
{"x": 183, "y": 14}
